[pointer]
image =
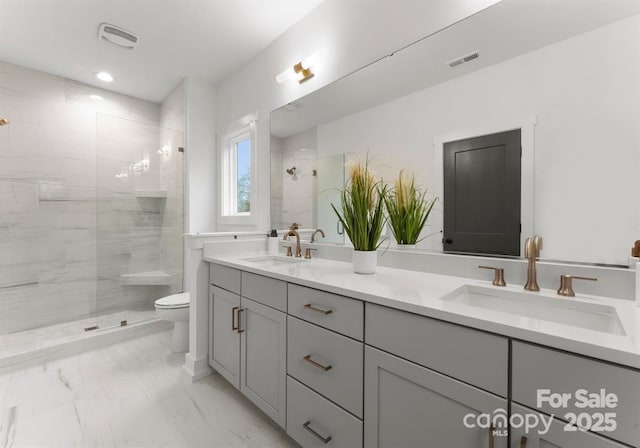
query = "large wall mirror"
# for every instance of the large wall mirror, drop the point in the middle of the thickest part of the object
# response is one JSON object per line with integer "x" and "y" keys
{"x": 564, "y": 72}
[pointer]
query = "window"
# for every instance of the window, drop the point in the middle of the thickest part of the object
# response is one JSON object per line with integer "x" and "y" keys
{"x": 238, "y": 176}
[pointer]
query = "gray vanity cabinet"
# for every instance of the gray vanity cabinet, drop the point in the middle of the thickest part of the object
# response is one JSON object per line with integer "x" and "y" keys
{"x": 407, "y": 405}
{"x": 224, "y": 340}
{"x": 263, "y": 353}
{"x": 556, "y": 436}
{"x": 340, "y": 372}
{"x": 247, "y": 343}
{"x": 540, "y": 373}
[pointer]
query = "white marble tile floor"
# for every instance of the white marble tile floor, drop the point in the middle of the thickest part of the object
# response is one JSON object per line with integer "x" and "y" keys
{"x": 130, "y": 394}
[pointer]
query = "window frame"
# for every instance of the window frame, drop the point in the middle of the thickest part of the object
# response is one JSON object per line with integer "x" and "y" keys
{"x": 228, "y": 198}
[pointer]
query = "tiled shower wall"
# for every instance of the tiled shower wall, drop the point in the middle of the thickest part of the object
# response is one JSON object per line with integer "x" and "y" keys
{"x": 55, "y": 162}
{"x": 294, "y": 200}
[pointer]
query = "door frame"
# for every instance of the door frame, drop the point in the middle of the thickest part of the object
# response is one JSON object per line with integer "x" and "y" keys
{"x": 527, "y": 192}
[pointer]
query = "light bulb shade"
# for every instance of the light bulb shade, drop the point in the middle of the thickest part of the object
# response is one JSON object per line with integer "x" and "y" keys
{"x": 285, "y": 75}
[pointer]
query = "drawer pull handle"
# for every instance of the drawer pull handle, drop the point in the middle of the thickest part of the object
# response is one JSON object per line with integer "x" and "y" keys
{"x": 324, "y": 440}
{"x": 523, "y": 442}
{"x": 234, "y": 327}
{"x": 310, "y": 307}
{"x": 238, "y": 327}
{"x": 316, "y": 363}
{"x": 491, "y": 428}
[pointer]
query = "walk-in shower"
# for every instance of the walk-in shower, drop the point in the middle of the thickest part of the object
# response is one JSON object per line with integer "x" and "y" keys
{"x": 91, "y": 210}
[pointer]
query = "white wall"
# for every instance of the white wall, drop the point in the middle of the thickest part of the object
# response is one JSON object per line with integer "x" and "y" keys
{"x": 201, "y": 175}
{"x": 349, "y": 35}
{"x": 585, "y": 95}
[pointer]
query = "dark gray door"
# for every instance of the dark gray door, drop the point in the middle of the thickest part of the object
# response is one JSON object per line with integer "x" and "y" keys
{"x": 482, "y": 194}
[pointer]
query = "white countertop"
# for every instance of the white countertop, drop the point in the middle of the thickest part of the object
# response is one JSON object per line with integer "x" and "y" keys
{"x": 420, "y": 293}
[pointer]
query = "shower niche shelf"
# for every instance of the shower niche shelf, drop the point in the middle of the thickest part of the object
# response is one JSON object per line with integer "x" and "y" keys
{"x": 150, "y": 278}
{"x": 159, "y": 194}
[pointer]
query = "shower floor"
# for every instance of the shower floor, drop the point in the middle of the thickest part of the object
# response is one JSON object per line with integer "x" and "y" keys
{"x": 41, "y": 339}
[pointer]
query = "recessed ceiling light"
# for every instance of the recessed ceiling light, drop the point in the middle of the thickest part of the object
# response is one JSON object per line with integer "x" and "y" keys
{"x": 96, "y": 97}
{"x": 104, "y": 76}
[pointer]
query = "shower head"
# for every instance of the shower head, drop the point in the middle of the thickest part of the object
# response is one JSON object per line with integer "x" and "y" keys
{"x": 292, "y": 172}
{"x": 3, "y": 121}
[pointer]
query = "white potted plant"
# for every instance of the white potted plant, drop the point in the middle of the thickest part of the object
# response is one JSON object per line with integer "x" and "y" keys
{"x": 362, "y": 215}
{"x": 408, "y": 209}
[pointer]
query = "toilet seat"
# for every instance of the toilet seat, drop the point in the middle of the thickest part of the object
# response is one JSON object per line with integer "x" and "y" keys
{"x": 174, "y": 302}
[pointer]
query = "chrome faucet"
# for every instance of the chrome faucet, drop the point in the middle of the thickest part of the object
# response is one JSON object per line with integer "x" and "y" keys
{"x": 295, "y": 233}
{"x": 532, "y": 248}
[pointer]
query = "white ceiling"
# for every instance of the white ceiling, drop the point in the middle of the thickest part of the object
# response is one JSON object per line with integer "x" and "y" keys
{"x": 177, "y": 38}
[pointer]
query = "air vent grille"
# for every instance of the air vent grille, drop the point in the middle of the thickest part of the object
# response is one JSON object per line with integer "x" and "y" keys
{"x": 464, "y": 59}
{"x": 120, "y": 33}
{"x": 117, "y": 36}
{"x": 293, "y": 105}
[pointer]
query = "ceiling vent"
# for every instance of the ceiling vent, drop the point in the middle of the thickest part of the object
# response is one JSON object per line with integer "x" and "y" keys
{"x": 117, "y": 36}
{"x": 464, "y": 59}
{"x": 293, "y": 105}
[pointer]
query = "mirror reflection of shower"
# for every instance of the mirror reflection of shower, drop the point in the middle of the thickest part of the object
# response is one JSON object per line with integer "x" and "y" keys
{"x": 293, "y": 185}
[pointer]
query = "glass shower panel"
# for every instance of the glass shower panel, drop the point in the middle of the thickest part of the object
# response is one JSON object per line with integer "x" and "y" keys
{"x": 139, "y": 175}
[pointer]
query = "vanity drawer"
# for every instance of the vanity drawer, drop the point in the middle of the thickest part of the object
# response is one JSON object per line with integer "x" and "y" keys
{"x": 342, "y": 381}
{"x": 314, "y": 421}
{"x": 473, "y": 356}
{"x": 337, "y": 313}
{"x": 537, "y": 368}
{"x": 265, "y": 290}
{"x": 225, "y": 277}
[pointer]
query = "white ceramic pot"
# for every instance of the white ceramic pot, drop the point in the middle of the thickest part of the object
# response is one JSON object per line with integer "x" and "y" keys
{"x": 406, "y": 246}
{"x": 365, "y": 262}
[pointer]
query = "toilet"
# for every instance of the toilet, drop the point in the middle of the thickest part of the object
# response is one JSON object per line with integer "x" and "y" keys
{"x": 175, "y": 308}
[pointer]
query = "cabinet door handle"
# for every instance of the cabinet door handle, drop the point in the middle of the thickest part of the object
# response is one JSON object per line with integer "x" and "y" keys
{"x": 324, "y": 440}
{"x": 523, "y": 442}
{"x": 234, "y": 327}
{"x": 491, "y": 428}
{"x": 310, "y": 307}
{"x": 240, "y": 310}
{"x": 316, "y": 363}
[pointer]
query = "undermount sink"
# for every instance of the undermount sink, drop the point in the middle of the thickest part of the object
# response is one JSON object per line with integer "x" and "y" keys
{"x": 274, "y": 260}
{"x": 591, "y": 316}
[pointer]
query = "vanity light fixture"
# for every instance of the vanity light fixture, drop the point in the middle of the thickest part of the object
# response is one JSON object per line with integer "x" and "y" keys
{"x": 301, "y": 71}
{"x": 104, "y": 76}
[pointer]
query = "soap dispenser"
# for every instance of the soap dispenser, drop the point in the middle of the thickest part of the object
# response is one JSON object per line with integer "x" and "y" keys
{"x": 273, "y": 242}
